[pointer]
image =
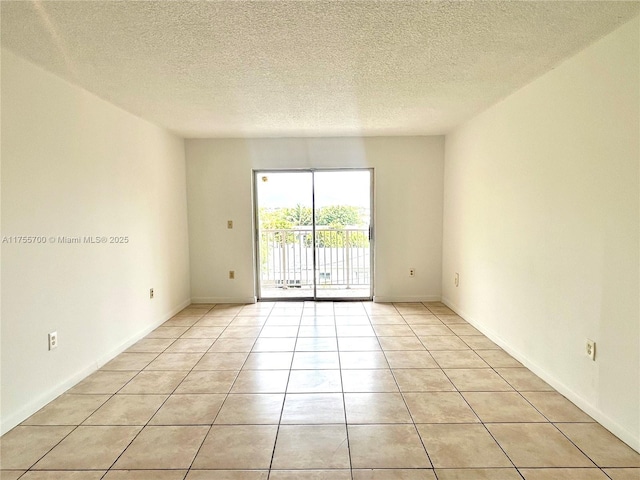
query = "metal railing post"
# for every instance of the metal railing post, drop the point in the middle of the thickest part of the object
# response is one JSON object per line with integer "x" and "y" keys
{"x": 283, "y": 243}
{"x": 347, "y": 246}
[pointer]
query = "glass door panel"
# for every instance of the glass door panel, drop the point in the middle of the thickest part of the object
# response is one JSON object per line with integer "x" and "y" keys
{"x": 313, "y": 234}
{"x": 285, "y": 234}
{"x": 342, "y": 225}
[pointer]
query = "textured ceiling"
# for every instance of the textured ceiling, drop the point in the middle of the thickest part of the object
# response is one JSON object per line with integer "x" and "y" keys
{"x": 299, "y": 68}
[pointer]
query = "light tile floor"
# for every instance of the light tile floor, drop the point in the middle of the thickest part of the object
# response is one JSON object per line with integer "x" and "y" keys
{"x": 308, "y": 390}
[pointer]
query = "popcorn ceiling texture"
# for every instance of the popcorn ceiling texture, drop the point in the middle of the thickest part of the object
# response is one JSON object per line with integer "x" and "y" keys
{"x": 312, "y": 68}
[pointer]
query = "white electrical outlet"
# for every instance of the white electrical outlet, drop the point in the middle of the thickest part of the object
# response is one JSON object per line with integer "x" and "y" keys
{"x": 591, "y": 349}
{"x": 412, "y": 272}
{"x": 456, "y": 279}
{"x": 151, "y": 293}
{"x": 232, "y": 275}
{"x": 53, "y": 340}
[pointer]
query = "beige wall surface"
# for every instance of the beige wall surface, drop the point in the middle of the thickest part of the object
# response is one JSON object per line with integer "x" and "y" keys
{"x": 75, "y": 166}
{"x": 541, "y": 221}
{"x": 408, "y": 208}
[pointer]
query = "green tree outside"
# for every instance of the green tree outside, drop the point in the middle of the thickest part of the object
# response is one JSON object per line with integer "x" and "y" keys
{"x": 337, "y": 217}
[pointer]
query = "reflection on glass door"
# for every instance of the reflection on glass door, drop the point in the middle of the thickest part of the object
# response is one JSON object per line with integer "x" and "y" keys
{"x": 313, "y": 234}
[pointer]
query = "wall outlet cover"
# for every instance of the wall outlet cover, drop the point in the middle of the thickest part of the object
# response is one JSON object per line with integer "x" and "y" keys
{"x": 591, "y": 349}
{"x": 53, "y": 340}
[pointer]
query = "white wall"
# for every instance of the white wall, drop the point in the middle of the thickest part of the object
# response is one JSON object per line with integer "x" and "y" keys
{"x": 75, "y": 165}
{"x": 541, "y": 220}
{"x": 408, "y": 208}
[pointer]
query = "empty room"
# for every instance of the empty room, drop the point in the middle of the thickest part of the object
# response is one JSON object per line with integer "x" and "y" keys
{"x": 329, "y": 240}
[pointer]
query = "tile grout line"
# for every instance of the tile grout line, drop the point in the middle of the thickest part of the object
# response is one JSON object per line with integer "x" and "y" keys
{"x": 476, "y": 414}
{"x": 150, "y": 418}
{"x": 111, "y": 395}
{"x": 519, "y": 392}
{"x": 521, "y": 396}
{"x": 213, "y": 421}
{"x": 344, "y": 401}
{"x": 163, "y": 403}
{"x": 284, "y": 398}
{"x": 226, "y": 395}
{"x": 169, "y": 395}
{"x": 404, "y": 400}
{"x": 549, "y": 422}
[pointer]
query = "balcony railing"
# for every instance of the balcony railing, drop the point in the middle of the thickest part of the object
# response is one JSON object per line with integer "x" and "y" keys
{"x": 342, "y": 258}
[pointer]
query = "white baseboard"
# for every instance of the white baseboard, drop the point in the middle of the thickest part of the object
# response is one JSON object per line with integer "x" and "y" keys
{"x": 398, "y": 299}
{"x": 601, "y": 417}
{"x": 36, "y": 404}
{"x": 15, "y": 418}
{"x": 223, "y": 300}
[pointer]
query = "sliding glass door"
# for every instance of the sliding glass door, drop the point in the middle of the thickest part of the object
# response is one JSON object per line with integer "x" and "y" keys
{"x": 284, "y": 213}
{"x": 313, "y": 234}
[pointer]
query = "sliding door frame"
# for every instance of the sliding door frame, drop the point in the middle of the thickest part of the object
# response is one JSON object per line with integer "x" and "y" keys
{"x": 256, "y": 236}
